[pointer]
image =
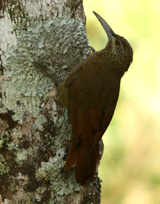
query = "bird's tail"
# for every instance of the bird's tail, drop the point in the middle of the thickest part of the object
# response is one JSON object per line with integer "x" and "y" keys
{"x": 85, "y": 158}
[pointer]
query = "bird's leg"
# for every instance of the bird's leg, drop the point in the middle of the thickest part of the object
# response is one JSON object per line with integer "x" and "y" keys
{"x": 92, "y": 50}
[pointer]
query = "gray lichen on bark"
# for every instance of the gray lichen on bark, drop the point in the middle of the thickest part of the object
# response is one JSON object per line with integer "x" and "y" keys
{"x": 34, "y": 131}
{"x": 33, "y": 64}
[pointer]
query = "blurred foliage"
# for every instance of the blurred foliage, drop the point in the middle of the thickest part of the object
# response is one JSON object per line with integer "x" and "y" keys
{"x": 130, "y": 166}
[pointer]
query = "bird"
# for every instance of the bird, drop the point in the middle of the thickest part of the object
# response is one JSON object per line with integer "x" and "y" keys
{"x": 90, "y": 93}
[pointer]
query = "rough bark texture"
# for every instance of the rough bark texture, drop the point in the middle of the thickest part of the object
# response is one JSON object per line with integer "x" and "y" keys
{"x": 40, "y": 42}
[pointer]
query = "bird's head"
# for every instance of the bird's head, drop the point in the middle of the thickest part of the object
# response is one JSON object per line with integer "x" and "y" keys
{"x": 117, "y": 48}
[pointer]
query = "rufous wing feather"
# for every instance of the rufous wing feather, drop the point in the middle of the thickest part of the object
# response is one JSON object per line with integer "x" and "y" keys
{"x": 87, "y": 129}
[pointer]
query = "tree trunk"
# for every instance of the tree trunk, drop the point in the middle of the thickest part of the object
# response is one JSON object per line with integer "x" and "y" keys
{"x": 40, "y": 42}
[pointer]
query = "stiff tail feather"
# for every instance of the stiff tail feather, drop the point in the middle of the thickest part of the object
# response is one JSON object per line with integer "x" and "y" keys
{"x": 71, "y": 157}
{"x": 85, "y": 159}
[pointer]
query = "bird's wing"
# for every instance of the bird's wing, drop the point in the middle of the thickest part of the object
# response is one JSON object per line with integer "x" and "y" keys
{"x": 90, "y": 101}
{"x": 86, "y": 94}
{"x": 87, "y": 85}
{"x": 88, "y": 126}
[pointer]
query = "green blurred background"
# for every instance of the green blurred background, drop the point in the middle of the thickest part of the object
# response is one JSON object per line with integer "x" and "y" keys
{"x": 130, "y": 166}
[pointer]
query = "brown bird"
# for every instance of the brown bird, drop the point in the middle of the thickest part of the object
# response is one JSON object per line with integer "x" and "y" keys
{"x": 90, "y": 92}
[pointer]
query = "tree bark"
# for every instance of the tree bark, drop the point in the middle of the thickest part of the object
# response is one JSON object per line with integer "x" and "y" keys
{"x": 40, "y": 42}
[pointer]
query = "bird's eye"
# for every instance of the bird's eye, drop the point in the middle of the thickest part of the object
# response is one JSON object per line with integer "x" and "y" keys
{"x": 117, "y": 42}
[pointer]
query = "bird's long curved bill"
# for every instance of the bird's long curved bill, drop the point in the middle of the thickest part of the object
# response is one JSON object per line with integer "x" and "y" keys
{"x": 105, "y": 25}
